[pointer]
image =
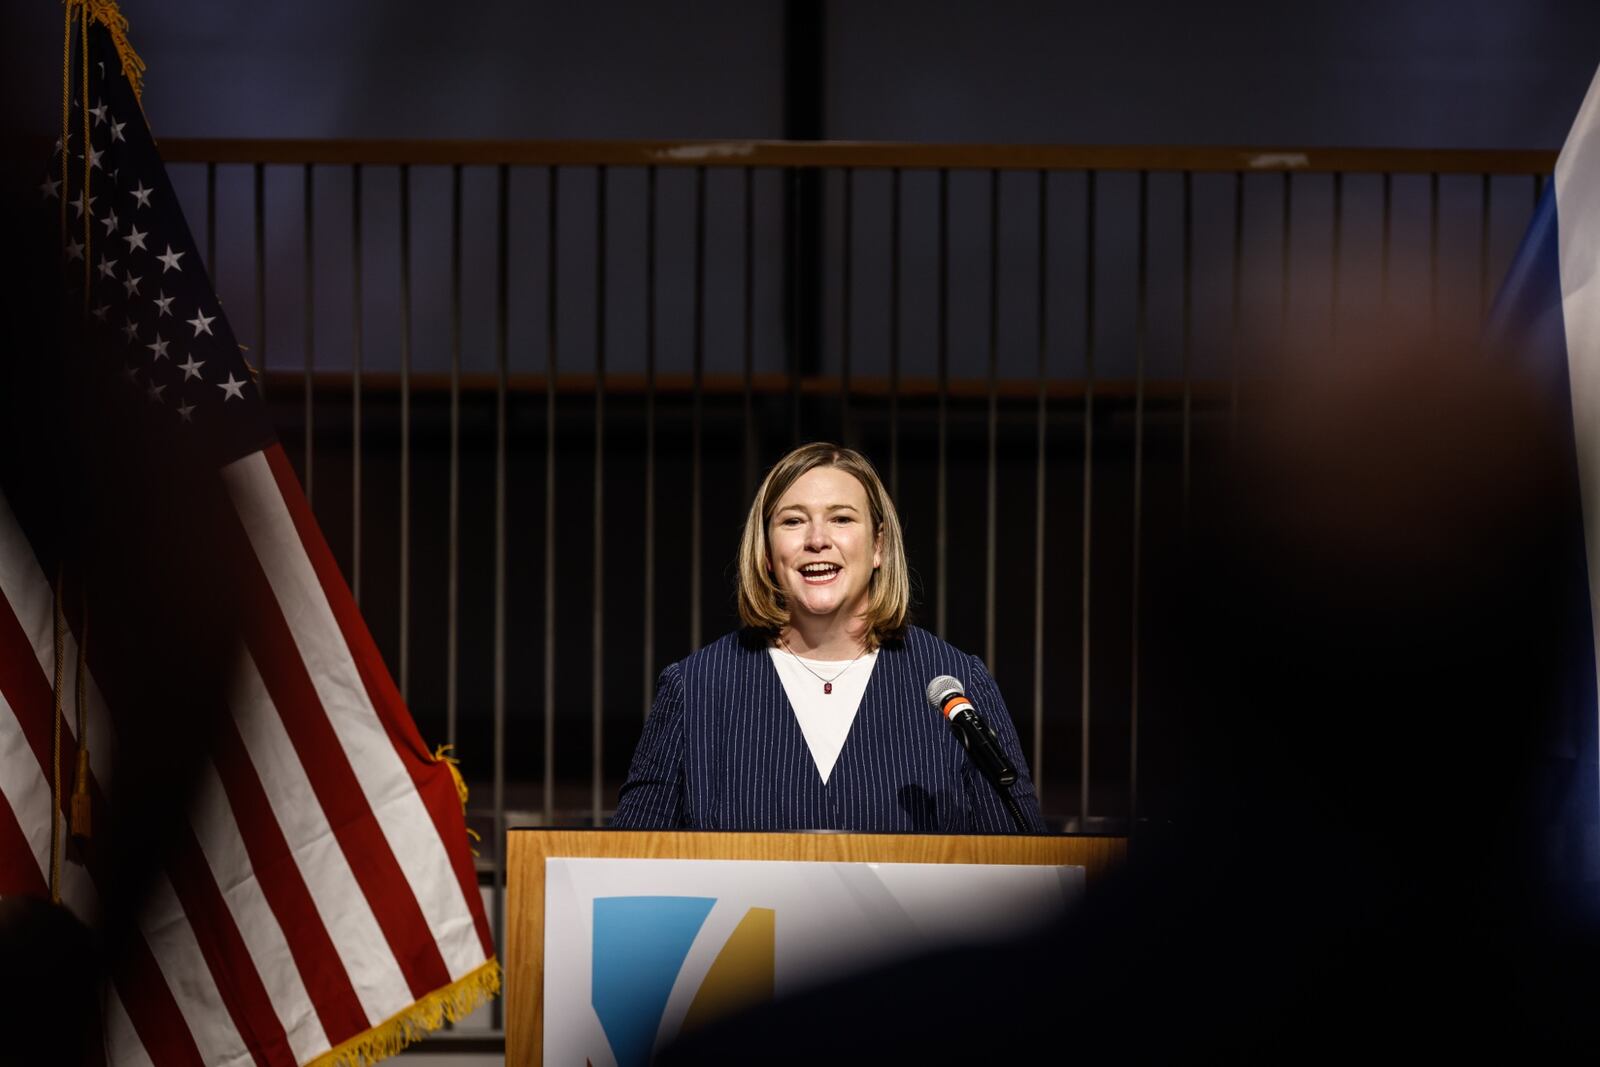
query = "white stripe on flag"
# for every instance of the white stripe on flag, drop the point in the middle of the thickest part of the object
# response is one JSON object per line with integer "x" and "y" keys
{"x": 23, "y": 785}
{"x": 1577, "y": 183}
{"x": 122, "y": 1045}
{"x": 218, "y": 834}
{"x": 32, "y": 600}
{"x": 357, "y": 938}
{"x": 383, "y": 778}
{"x": 177, "y": 954}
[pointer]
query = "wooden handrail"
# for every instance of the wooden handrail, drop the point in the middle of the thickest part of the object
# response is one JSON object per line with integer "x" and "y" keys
{"x": 862, "y": 155}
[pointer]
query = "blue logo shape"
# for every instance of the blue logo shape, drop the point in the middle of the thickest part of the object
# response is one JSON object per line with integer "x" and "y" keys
{"x": 640, "y": 944}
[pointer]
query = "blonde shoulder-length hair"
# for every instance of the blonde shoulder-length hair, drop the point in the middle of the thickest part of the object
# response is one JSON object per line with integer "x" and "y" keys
{"x": 762, "y": 604}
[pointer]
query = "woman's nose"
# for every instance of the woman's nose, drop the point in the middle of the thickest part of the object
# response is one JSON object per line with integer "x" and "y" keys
{"x": 817, "y": 535}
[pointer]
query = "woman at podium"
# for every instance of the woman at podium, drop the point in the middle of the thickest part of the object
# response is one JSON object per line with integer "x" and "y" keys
{"x": 816, "y": 714}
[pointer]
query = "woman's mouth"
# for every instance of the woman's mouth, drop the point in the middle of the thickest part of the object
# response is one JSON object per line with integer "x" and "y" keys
{"x": 819, "y": 573}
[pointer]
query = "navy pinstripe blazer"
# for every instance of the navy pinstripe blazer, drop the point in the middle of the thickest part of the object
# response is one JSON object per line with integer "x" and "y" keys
{"x": 722, "y": 750}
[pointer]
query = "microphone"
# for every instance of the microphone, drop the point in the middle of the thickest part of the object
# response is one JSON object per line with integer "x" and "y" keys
{"x": 949, "y": 698}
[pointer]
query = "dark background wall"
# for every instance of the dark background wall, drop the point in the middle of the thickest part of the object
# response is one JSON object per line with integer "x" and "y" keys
{"x": 1471, "y": 73}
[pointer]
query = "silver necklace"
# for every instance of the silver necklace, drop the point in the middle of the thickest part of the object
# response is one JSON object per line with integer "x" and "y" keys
{"x": 827, "y": 683}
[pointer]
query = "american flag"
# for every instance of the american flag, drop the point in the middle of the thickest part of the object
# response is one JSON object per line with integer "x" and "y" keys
{"x": 322, "y": 904}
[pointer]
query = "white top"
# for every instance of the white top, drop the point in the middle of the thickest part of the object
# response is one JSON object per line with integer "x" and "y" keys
{"x": 824, "y": 718}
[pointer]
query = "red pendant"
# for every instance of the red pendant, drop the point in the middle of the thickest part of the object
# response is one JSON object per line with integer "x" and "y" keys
{"x": 827, "y": 687}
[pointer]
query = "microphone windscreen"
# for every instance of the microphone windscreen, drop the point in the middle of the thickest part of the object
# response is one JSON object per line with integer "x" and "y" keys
{"x": 942, "y": 689}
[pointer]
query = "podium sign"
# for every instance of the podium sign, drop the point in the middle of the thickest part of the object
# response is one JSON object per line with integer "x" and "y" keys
{"x": 705, "y": 958}
{"x": 638, "y": 950}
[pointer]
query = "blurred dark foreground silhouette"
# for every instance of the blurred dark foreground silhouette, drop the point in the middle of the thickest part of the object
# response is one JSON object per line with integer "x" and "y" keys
{"x": 1381, "y": 846}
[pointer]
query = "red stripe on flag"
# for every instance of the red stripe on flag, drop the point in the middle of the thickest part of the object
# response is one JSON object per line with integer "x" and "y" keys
{"x": 151, "y": 1006}
{"x": 333, "y": 780}
{"x": 282, "y": 884}
{"x": 431, "y": 777}
{"x": 227, "y": 957}
{"x": 20, "y": 875}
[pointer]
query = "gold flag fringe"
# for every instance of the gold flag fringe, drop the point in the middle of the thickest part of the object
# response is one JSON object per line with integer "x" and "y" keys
{"x": 439, "y": 754}
{"x": 107, "y": 14}
{"x": 452, "y": 1003}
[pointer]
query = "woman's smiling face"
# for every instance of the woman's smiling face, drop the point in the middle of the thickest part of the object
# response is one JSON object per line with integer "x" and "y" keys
{"x": 822, "y": 547}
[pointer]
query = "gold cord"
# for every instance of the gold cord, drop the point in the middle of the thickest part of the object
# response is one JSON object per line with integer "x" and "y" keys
{"x": 80, "y": 784}
{"x": 55, "y": 758}
{"x": 88, "y": 157}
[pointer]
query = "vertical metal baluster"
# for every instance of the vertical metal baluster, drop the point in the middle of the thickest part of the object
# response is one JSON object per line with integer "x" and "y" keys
{"x": 749, "y": 331}
{"x": 260, "y": 353}
{"x": 501, "y": 360}
{"x": 846, "y": 429}
{"x": 1338, "y": 244}
{"x": 597, "y": 651}
{"x": 551, "y": 292}
{"x": 405, "y": 431}
{"x": 698, "y": 416}
{"x": 1040, "y": 485}
{"x": 894, "y": 333}
{"x": 453, "y": 579}
{"x": 649, "y": 439}
{"x": 308, "y": 199}
{"x": 1388, "y": 232}
{"x": 355, "y": 381}
{"x": 1088, "y": 481}
{"x": 1186, "y": 350}
{"x": 1433, "y": 257}
{"x": 1484, "y": 217}
{"x": 1287, "y": 261}
{"x": 211, "y": 226}
{"x": 1141, "y": 332}
{"x": 941, "y": 596}
{"x": 1236, "y": 321}
{"x": 991, "y": 525}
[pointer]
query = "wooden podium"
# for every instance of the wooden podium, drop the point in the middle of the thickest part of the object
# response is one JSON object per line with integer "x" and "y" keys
{"x": 527, "y": 849}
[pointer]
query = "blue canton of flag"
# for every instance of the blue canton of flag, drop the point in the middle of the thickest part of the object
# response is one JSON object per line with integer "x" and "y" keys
{"x": 151, "y": 304}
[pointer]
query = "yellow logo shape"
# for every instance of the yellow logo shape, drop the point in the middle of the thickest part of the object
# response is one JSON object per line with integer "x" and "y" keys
{"x": 741, "y": 975}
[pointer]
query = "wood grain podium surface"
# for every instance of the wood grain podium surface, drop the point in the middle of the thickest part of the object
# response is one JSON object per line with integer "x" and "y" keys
{"x": 527, "y": 849}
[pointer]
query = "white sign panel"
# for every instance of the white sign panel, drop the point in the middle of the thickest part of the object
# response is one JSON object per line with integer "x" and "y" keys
{"x": 637, "y": 950}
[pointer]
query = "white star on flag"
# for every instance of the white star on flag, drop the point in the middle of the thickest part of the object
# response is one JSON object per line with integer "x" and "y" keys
{"x": 106, "y": 266}
{"x": 50, "y": 188}
{"x": 99, "y": 113}
{"x": 110, "y": 223}
{"x": 190, "y": 367}
{"x": 141, "y": 194}
{"x": 232, "y": 388}
{"x": 163, "y": 302}
{"x": 130, "y": 329}
{"x": 159, "y": 347}
{"x": 130, "y": 282}
{"x": 94, "y": 156}
{"x": 75, "y": 249}
{"x": 135, "y": 238}
{"x": 100, "y": 312}
{"x": 201, "y": 322}
{"x": 170, "y": 261}
{"x": 116, "y": 130}
{"x": 78, "y": 204}
{"x": 184, "y": 411}
{"x": 154, "y": 391}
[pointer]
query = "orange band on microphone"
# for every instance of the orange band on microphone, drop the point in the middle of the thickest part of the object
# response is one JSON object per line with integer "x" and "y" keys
{"x": 954, "y": 703}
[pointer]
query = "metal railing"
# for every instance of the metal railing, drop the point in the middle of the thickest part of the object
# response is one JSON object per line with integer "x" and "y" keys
{"x": 530, "y": 388}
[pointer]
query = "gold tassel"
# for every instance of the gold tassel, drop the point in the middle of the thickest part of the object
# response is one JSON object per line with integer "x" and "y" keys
{"x": 80, "y": 796}
{"x": 452, "y": 1003}
{"x": 455, "y": 772}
